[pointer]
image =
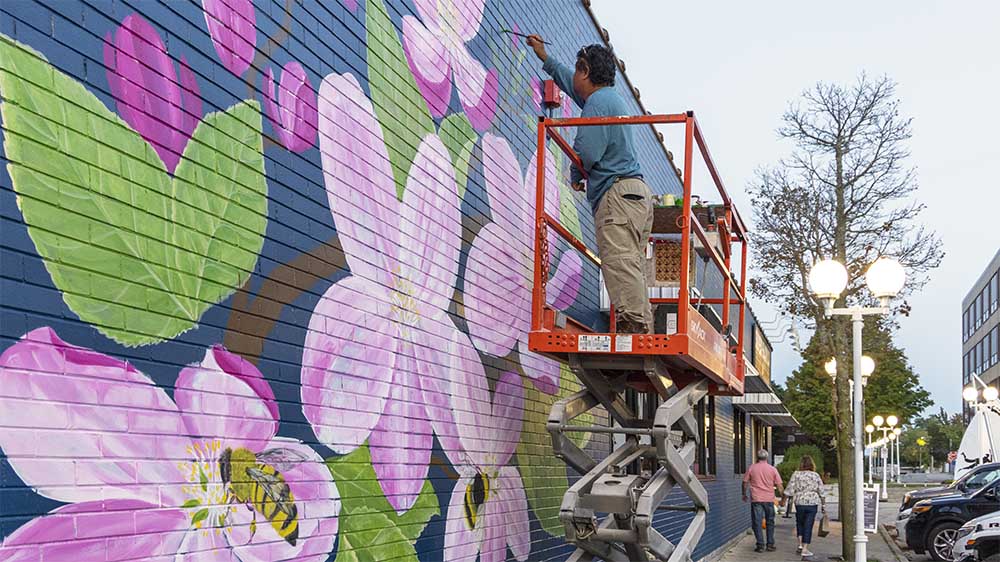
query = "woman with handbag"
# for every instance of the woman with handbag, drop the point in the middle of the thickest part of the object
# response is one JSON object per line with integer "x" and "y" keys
{"x": 806, "y": 487}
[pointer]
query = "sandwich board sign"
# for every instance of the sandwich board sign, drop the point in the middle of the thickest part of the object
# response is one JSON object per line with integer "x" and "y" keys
{"x": 871, "y": 508}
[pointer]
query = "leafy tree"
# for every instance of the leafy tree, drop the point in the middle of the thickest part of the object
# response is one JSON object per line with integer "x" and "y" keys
{"x": 941, "y": 431}
{"x": 843, "y": 193}
{"x": 892, "y": 389}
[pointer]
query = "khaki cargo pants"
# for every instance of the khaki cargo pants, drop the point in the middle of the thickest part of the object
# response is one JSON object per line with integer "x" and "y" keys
{"x": 623, "y": 222}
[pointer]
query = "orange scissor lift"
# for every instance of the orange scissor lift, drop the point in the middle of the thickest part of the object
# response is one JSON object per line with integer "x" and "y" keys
{"x": 649, "y": 384}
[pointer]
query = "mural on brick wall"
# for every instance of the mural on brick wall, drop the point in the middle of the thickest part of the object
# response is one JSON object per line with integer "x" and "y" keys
{"x": 152, "y": 212}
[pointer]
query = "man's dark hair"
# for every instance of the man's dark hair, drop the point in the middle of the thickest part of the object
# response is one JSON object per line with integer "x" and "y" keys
{"x": 599, "y": 62}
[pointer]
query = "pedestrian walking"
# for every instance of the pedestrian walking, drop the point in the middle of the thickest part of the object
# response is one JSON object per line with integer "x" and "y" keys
{"x": 762, "y": 479}
{"x": 806, "y": 488}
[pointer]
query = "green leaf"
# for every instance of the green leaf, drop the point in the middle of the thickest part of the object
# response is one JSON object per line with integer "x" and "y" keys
{"x": 399, "y": 106}
{"x": 199, "y": 516}
{"x": 136, "y": 253}
{"x": 360, "y": 492}
{"x": 569, "y": 214}
{"x": 459, "y": 138}
{"x": 203, "y": 478}
{"x": 545, "y": 476}
{"x": 191, "y": 503}
{"x": 367, "y": 535}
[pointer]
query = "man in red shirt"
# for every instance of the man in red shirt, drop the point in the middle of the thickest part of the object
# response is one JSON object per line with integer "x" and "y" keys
{"x": 762, "y": 479}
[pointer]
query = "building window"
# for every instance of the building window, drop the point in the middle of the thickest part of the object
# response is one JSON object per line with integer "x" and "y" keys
{"x": 965, "y": 325}
{"x": 987, "y": 350}
{"x": 982, "y": 309}
{"x": 705, "y": 461}
{"x": 995, "y": 292}
{"x": 739, "y": 442}
{"x": 979, "y": 356}
{"x": 995, "y": 345}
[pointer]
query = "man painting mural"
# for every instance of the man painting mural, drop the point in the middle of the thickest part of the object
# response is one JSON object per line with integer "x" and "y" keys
{"x": 621, "y": 202}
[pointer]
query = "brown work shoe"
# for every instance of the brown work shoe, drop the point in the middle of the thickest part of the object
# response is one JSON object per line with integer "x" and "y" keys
{"x": 630, "y": 327}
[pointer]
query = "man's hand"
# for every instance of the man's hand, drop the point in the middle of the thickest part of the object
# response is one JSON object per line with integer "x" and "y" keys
{"x": 744, "y": 498}
{"x": 535, "y": 42}
{"x": 579, "y": 186}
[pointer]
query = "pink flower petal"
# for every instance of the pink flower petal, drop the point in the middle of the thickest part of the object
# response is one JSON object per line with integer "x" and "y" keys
{"x": 359, "y": 181}
{"x": 86, "y": 407}
{"x": 464, "y": 16}
{"x": 317, "y": 502}
{"x": 543, "y": 372}
{"x": 352, "y": 5}
{"x": 232, "y": 24}
{"x": 494, "y": 291}
{"x": 432, "y": 345}
{"x": 219, "y": 404}
{"x": 461, "y": 544}
{"x": 199, "y": 545}
{"x": 109, "y": 530}
{"x": 472, "y": 407}
{"x": 428, "y": 11}
{"x": 514, "y": 507}
{"x": 294, "y": 116}
{"x": 564, "y": 286}
{"x": 401, "y": 442}
{"x": 347, "y": 363}
{"x": 477, "y": 88}
{"x": 494, "y": 545}
{"x": 502, "y": 175}
{"x": 430, "y": 64}
{"x": 430, "y": 227}
{"x": 536, "y": 93}
{"x": 190, "y": 102}
{"x": 508, "y": 411}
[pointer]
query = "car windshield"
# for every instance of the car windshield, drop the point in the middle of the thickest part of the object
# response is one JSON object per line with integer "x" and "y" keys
{"x": 980, "y": 479}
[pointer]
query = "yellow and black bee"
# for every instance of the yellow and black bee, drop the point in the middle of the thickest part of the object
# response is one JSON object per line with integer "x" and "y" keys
{"x": 476, "y": 494}
{"x": 255, "y": 480}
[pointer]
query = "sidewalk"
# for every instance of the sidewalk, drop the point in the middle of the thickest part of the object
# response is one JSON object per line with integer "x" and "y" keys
{"x": 824, "y": 548}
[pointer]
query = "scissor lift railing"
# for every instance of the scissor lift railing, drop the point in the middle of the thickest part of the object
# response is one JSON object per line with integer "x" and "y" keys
{"x": 608, "y": 512}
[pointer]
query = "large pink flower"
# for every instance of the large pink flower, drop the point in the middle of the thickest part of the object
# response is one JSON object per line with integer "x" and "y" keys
{"x": 488, "y": 510}
{"x": 435, "y": 50}
{"x": 140, "y": 471}
{"x": 232, "y": 24}
{"x": 374, "y": 358}
{"x": 500, "y": 272}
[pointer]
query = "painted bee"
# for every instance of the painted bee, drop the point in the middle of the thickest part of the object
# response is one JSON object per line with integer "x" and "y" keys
{"x": 255, "y": 480}
{"x": 476, "y": 494}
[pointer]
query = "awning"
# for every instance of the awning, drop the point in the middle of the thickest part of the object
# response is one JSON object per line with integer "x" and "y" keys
{"x": 760, "y": 401}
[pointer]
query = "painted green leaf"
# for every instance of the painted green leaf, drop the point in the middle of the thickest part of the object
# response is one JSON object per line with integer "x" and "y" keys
{"x": 199, "y": 516}
{"x": 460, "y": 139}
{"x": 569, "y": 214}
{"x": 400, "y": 107}
{"x": 191, "y": 503}
{"x": 367, "y": 535}
{"x": 136, "y": 253}
{"x": 361, "y": 494}
{"x": 545, "y": 476}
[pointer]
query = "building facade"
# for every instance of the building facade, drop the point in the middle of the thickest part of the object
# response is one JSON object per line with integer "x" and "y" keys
{"x": 981, "y": 329}
{"x": 290, "y": 240}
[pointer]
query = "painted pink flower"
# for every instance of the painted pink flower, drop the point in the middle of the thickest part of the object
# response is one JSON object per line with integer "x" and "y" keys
{"x": 500, "y": 271}
{"x": 147, "y": 92}
{"x": 435, "y": 48}
{"x": 232, "y": 24}
{"x": 293, "y": 115}
{"x": 536, "y": 93}
{"x": 141, "y": 472}
{"x": 373, "y": 363}
{"x": 488, "y": 511}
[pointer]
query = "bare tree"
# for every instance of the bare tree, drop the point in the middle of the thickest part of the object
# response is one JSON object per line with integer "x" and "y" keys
{"x": 843, "y": 193}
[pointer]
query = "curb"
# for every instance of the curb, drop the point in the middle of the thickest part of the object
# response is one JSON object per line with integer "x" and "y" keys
{"x": 893, "y": 547}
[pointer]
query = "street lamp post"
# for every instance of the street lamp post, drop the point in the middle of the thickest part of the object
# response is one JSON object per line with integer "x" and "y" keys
{"x": 869, "y": 429}
{"x": 827, "y": 280}
{"x": 886, "y": 425}
{"x": 899, "y": 467}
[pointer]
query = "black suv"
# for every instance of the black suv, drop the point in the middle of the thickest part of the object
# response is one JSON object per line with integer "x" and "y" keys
{"x": 934, "y": 523}
{"x": 970, "y": 482}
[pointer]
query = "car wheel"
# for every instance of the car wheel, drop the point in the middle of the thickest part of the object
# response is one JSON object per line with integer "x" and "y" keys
{"x": 941, "y": 540}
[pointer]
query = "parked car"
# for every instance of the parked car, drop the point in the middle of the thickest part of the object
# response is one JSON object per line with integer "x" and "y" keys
{"x": 934, "y": 523}
{"x": 972, "y": 481}
{"x": 978, "y": 540}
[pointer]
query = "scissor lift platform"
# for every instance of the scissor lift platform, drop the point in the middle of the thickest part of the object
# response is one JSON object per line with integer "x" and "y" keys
{"x": 608, "y": 513}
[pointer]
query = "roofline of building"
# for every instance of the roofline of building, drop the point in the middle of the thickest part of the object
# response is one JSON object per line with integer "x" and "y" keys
{"x": 981, "y": 280}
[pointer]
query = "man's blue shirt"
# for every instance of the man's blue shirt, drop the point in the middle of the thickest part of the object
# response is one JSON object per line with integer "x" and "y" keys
{"x": 607, "y": 151}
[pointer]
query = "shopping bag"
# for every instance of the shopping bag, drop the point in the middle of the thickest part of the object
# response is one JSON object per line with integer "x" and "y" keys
{"x": 824, "y": 525}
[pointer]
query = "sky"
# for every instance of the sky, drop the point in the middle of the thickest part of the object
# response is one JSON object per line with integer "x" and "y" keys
{"x": 738, "y": 64}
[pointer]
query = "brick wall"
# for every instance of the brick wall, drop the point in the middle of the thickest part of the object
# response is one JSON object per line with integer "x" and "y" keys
{"x": 265, "y": 272}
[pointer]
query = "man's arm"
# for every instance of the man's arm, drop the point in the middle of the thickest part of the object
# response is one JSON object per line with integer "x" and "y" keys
{"x": 778, "y": 483}
{"x": 743, "y": 486}
{"x": 559, "y": 72}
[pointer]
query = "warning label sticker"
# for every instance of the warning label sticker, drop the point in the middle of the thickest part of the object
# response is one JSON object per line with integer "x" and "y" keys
{"x": 594, "y": 343}
{"x": 623, "y": 344}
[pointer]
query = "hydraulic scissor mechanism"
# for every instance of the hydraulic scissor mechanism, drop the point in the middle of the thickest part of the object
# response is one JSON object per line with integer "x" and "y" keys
{"x": 608, "y": 513}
